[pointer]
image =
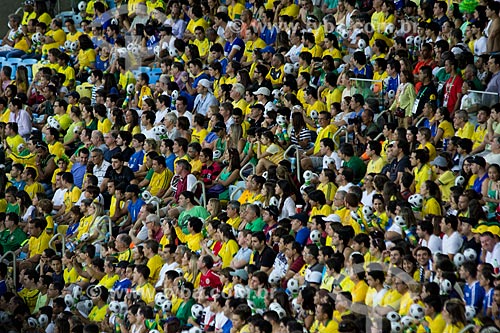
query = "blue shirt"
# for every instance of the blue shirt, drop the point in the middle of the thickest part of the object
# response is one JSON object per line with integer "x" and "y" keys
{"x": 488, "y": 300}
{"x": 473, "y": 295}
{"x": 302, "y": 236}
{"x": 237, "y": 44}
{"x": 170, "y": 162}
{"x": 366, "y": 70}
{"x": 269, "y": 35}
{"x": 78, "y": 171}
{"x": 227, "y": 326}
{"x": 134, "y": 208}
{"x": 136, "y": 160}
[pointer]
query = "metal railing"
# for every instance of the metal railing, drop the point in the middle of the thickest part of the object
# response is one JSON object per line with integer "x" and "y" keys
{"x": 203, "y": 199}
{"x": 63, "y": 243}
{"x": 297, "y": 159}
{"x": 337, "y": 134}
{"x": 14, "y": 268}
{"x": 236, "y": 190}
{"x": 245, "y": 167}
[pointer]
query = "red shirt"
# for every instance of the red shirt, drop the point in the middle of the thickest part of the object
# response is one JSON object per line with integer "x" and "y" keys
{"x": 451, "y": 89}
{"x": 210, "y": 279}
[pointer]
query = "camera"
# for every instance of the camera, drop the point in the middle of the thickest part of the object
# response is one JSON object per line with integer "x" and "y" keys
{"x": 354, "y": 121}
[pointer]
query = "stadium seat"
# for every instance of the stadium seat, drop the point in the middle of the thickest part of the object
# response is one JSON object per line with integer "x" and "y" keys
{"x": 28, "y": 63}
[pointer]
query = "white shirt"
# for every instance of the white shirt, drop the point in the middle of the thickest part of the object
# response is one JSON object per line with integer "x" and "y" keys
{"x": 150, "y": 134}
{"x": 434, "y": 244}
{"x": 480, "y": 46}
{"x": 288, "y": 209}
{"x": 294, "y": 52}
{"x": 58, "y": 198}
{"x": 100, "y": 171}
{"x": 452, "y": 244}
{"x": 186, "y": 114}
{"x": 23, "y": 120}
{"x": 160, "y": 115}
{"x": 202, "y": 104}
{"x": 377, "y": 298}
{"x": 165, "y": 268}
{"x": 492, "y": 256}
{"x": 333, "y": 158}
{"x": 367, "y": 199}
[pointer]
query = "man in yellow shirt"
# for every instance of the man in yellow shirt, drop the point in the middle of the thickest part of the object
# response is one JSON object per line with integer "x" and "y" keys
{"x": 253, "y": 42}
{"x": 161, "y": 178}
{"x": 142, "y": 286}
{"x": 12, "y": 137}
{"x": 202, "y": 42}
{"x": 421, "y": 169}
{"x": 324, "y": 318}
{"x": 99, "y": 296}
{"x": 38, "y": 242}
{"x": 155, "y": 262}
{"x": 465, "y": 129}
{"x": 55, "y": 37}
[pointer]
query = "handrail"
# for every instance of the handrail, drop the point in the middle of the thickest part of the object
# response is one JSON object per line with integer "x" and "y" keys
{"x": 297, "y": 158}
{"x": 246, "y": 167}
{"x": 110, "y": 227}
{"x": 338, "y": 133}
{"x": 63, "y": 241}
{"x": 203, "y": 200}
{"x": 236, "y": 190}
{"x": 14, "y": 269}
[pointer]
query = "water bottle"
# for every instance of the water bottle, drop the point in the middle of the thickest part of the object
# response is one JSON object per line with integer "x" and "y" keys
{"x": 285, "y": 135}
{"x": 293, "y": 161}
{"x": 125, "y": 102}
{"x": 445, "y": 144}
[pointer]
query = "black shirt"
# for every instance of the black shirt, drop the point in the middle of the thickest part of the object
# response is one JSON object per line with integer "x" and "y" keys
{"x": 124, "y": 177}
{"x": 264, "y": 259}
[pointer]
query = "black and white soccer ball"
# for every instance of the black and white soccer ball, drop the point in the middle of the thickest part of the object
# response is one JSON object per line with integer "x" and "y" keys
{"x": 470, "y": 254}
{"x": 416, "y": 200}
{"x": 417, "y": 311}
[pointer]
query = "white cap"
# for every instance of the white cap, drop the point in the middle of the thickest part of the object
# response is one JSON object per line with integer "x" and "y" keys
{"x": 262, "y": 91}
{"x": 205, "y": 83}
{"x": 314, "y": 277}
{"x": 332, "y": 218}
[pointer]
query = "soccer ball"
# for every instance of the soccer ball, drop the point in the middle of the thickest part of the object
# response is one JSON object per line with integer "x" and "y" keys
{"x": 82, "y": 5}
{"x": 276, "y": 307}
{"x": 123, "y": 307}
{"x": 74, "y": 46}
{"x": 296, "y": 306}
{"x": 344, "y": 34}
{"x": 470, "y": 254}
{"x": 355, "y": 216}
{"x": 308, "y": 176}
{"x": 396, "y": 327}
{"x": 160, "y": 130}
{"x": 361, "y": 44}
{"x": 315, "y": 236}
{"x": 459, "y": 259}
{"x": 417, "y": 311}
{"x": 417, "y": 41}
{"x": 274, "y": 278}
{"x": 197, "y": 310}
{"x": 393, "y": 316}
{"x": 274, "y": 201}
{"x": 217, "y": 154}
{"x": 276, "y": 93}
{"x": 406, "y": 321}
{"x": 400, "y": 221}
{"x": 314, "y": 115}
{"x": 88, "y": 305}
{"x": 409, "y": 40}
{"x": 173, "y": 52}
{"x": 240, "y": 291}
{"x": 166, "y": 306}
{"x": 289, "y": 69}
{"x": 130, "y": 89}
{"x": 43, "y": 320}
{"x": 281, "y": 120}
{"x": 459, "y": 181}
{"x": 160, "y": 298}
{"x": 115, "y": 21}
{"x": 389, "y": 29}
{"x": 293, "y": 286}
{"x": 416, "y": 201}
{"x": 174, "y": 95}
{"x": 114, "y": 306}
{"x": 445, "y": 286}
{"x": 53, "y": 123}
{"x": 77, "y": 291}
{"x": 32, "y": 322}
{"x": 391, "y": 94}
{"x": 37, "y": 37}
{"x": 4, "y": 317}
{"x": 340, "y": 27}
{"x": 157, "y": 50}
{"x": 67, "y": 44}
{"x": 69, "y": 300}
{"x": 470, "y": 312}
{"x": 136, "y": 50}
{"x": 367, "y": 212}
{"x": 296, "y": 66}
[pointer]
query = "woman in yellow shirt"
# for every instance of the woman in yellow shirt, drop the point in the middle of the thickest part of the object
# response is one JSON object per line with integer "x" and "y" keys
{"x": 454, "y": 316}
{"x": 317, "y": 201}
{"x": 86, "y": 57}
{"x": 445, "y": 128}
{"x": 432, "y": 199}
{"x": 357, "y": 275}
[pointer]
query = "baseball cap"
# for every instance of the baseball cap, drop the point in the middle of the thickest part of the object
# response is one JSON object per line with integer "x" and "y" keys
{"x": 262, "y": 91}
{"x": 479, "y": 160}
{"x": 302, "y": 217}
{"x": 258, "y": 106}
{"x": 440, "y": 161}
{"x": 241, "y": 273}
{"x": 332, "y": 218}
{"x": 133, "y": 188}
{"x": 269, "y": 49}
{"x": 314, "y": 277}
{"x": 205, "y": 83}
